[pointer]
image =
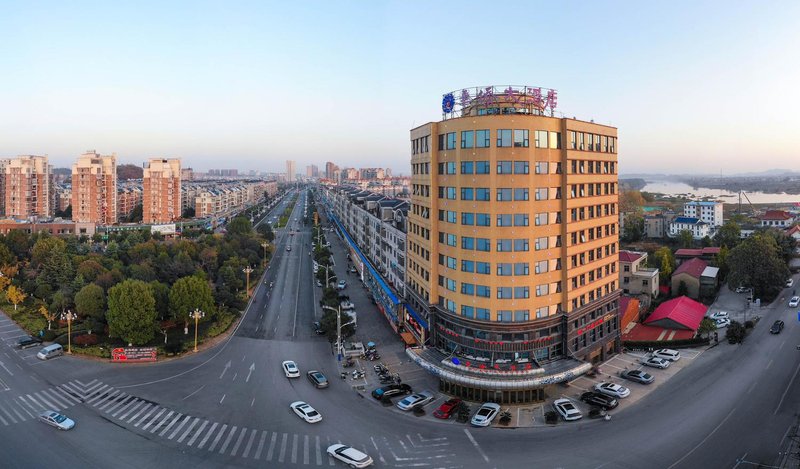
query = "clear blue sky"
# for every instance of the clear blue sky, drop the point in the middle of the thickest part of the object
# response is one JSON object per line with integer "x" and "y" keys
{"x": 692, "y": 86}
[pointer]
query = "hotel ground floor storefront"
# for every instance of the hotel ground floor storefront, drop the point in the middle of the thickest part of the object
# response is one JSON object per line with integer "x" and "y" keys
{"x": 513, "y": 363}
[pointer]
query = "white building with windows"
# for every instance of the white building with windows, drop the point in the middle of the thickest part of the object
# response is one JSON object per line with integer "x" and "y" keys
{"x": 699, "y": 228}
{"x": 708, "y": 212}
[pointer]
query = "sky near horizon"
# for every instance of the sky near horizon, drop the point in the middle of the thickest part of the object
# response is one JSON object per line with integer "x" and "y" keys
{"x": 692, "y": 86}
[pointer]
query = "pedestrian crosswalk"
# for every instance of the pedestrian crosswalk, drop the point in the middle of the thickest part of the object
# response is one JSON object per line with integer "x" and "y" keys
{"x": 227, "y": 439}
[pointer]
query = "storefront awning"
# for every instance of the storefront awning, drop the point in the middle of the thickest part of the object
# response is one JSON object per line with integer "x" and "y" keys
{"x": 408, "y": 338}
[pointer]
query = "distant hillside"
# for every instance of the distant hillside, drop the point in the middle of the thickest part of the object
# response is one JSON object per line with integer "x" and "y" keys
{"x": 62, "y": 171}
{"x": 635, "y": 184}
{"x": 129, "y": 171}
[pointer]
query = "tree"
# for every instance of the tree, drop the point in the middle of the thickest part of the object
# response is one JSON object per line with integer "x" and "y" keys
{"x": 15, "y": 295}
{"x": 665, "y": 262}
{"x": 6, "y": 256}
{"x": 188, "y": 294}
{"x": 756, "y": 262}
{"x": 4, "y": 282}
{"x": 707, "y": 326}
{"x": 49, "y": 316}
{"x": 265, "y": 230}
{"x": 683, "y": 290}
{"x": 46, "y": 247}
{"x": 131, "y": 312}
{"x": 686, "y": 238}
{"x": 161, "y": 295}
{"x": 634, "y": 228}
{"x": 240, "y": 226}
{"x": 91, "y": 301}
{"x": 729, "y": 234}
{"x": 136, "y": 214}
{"x": 631, "y": 201}
{"x": 735, "y": 333}
{"x": 188, "y": 213}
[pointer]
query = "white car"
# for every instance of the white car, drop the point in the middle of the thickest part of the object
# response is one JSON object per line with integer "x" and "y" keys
{"x": 719, "y": 315}
{"x": 347, "y": 304}
{"x": 290, "y": 369}
{"x": 612, "y": 389}
{"x": 416, "y": 400}
{"x": 794, "y": 302}
{"x": 790, "y": 282}
{"x": 656, "y": 362}
{"x": 741, "y": 289}
{"x": 305, "y": 412}
{"x": 667, "y": 354}
{"x": 724, "y": 322}
{"x": 484, "y": 416}
{"x": 349, "y": 455}
{"x": 341, "y": 285}
{"x": 57, "y": 420}
{"x": 567, "y": 409}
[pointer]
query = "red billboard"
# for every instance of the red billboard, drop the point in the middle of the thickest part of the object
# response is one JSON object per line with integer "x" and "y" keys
{"x": 134, "y": 354}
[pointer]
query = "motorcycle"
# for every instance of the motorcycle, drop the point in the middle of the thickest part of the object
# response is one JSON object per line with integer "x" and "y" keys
{"x": 348, "y": 364}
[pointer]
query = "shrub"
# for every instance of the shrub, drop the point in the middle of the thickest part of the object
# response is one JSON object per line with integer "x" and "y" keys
{"x": 85, "y": 339}
{"x": 94, "y": 351}
{"x": 223, "y": 322}
{"x": 749, "y": 324}
{"x": 173, "y": 348}
{"x": 49, "y": 336}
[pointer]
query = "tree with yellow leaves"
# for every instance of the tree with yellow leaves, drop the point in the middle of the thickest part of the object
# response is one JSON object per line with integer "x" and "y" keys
{"x": 15, "y": 296}
{"x": 47, "y": 315}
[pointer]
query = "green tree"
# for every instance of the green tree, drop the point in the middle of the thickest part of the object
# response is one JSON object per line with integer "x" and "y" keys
{"x": 735, "y": 332}
{"x": 265, "y": 230}
{"x": 161, "y": 295}
{"x": 46, "y": 247}
{"x": 188, "y": 294}
{"x": 707, "y": 326}
{"x": 665, "y": 262}
{"x": 131, "y": 312}
{"x": 756, "y": 262}
{"x": 91, "y": 301}
{"x": 240, "y": 226}
{"x": 634, "y": 228}
{"x": 728, "y": 234}
{"x": 686, "y": 239}
{"x": 6, "y": 256}
{"x": 328, "y": 323}
{"x": 683, "y": 290}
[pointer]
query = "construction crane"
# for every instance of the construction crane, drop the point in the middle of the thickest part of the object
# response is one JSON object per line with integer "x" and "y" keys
{"x": 743, "y": 193}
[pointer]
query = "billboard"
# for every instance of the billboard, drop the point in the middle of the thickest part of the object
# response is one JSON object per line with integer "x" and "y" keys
{"x": 168, "y": 229}
{"x": 134, "y": 354}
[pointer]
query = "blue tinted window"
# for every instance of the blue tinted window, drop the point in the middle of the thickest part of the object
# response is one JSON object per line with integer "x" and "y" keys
{"x": 467, "y": 167}
{"x": 467, "y": 266}
{"x": 467, "y": 218}
{"x": 483, "y": 219}
{"x": 482, "y": 138}
{"x": 467, "y": 139}
{"x": 481, "y": 167}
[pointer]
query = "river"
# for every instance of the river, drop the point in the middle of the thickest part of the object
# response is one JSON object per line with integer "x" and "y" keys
{"x": 679, "y": 188}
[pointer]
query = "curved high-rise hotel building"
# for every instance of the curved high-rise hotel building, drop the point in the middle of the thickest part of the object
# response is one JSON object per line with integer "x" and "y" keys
{"x": 512, "y": 244}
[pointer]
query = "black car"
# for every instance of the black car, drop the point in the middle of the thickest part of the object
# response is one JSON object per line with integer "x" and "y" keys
{"x": 28, "y": 341}
{"x": 777, "y": 327}
{"x": 638, "y": 376}
{"x": 391, "y": 390}
{"x": 600, "y": 400}
{"x": 317, "y": 379}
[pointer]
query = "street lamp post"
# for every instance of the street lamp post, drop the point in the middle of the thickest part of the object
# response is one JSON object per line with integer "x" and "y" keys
{"x": 247, "y": 271}
{"x": 264, "y": 245}
{"x": 69, "y": 316}
{"x": 338, "y": 311}
{"x": 196, "y": 315}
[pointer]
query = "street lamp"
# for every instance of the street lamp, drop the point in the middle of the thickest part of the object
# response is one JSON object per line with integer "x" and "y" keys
{"x": 196, "y": 315}
{"x": 69, "y": 316}
{"x": 264, "y": 245}
{"x": 247, "y": 271}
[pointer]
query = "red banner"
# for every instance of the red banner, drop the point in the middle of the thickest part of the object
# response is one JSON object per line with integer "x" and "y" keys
{"x": 134, "y": 354}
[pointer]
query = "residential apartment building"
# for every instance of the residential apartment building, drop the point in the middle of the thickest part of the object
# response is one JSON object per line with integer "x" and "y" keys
{"x": 512, "y": 244}
{"x": 777, "y": 218}
{"x": 161, "y": 187}
{"x": 709, "y": 212}
{"x": 291, "y": 171}
{"x": 94, "y": 189}
{"x": 635, "y": 277}
{"x": 129, "y": 196}
{"x": 697, "y": 227}
{"x": 28, "y": 187}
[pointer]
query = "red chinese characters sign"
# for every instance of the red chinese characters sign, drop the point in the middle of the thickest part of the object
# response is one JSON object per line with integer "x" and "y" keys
{"x": 595, "y": 323}
{"x": 134, "y": 354}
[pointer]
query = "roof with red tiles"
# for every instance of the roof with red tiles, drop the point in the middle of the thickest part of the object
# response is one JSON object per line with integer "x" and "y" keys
{"x": 629, "y": 256}
{"x": 776, "y": 215}
{"x": 679, "y": 313}
{"x": 694, "y": 267}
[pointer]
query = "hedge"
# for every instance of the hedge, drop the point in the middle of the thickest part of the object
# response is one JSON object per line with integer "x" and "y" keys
{"x": 656, "y": 344}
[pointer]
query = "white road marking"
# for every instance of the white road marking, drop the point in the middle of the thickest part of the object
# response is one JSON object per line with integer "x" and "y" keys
{"x": 179, "y": 427}
{"x": 238, "y": 441}
{"x": 216, "y": 440}
{"x": 475, "y": 444}
{"x": 768, "y": 365}
{"x": 249, "y": 443}
{"x": 194, "y": 392}
{"x": 787, "y": 390}
{"x": 227, "y": 440}
{"x": 205, "y": 438}
{"x": 261, "y": 444}
{"x": 704, "y": 439}
{"x": 271, "y": 446}
{"x": 154, "y": 419}
{"x": 282, "y": 454}
{"x": 752, "y": 386}
{"x": 149, "y": 406}
{"x": 171, "y": 423}
{"x": 197, "y": 433}
{"x": 146, "y": 416}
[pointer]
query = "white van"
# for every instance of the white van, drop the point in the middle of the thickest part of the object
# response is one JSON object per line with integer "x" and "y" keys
{"x": 50, "y": 351}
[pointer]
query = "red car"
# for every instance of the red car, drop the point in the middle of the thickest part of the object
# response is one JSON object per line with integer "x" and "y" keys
{"x": 446, "y": 410}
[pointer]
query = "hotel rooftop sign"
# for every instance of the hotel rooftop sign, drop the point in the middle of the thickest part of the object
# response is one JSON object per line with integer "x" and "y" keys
{"x": 505, "y": 99}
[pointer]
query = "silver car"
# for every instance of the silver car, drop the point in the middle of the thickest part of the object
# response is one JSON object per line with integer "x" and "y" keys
{"x": 53, "y": 418}
{"x": 416, "y": 400}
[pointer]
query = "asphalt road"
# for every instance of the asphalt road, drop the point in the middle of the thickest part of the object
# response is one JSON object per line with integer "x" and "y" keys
{"x": 228, "y": 406}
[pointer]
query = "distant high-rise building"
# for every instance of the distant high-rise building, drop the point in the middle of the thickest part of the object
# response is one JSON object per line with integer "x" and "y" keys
{"x": 161, "y": 198}
{"x": 27, "y": 187}
{"x": 94, "y": 189}
{"x": 291, "y": 171}
{"x": 309, "y": 171}
{"x": 187, "y": 174}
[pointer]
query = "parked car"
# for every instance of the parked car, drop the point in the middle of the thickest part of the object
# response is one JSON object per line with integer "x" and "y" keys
{"x": 317, "y": 379}
{"x": 656, "y": 362}
{"x": 305, "y": 412}
{"x": 28, "y": 341}
{"x": 416, "y": 400}
{"x": 347, "y": 304}
{"x": 638, "y": 376}
{"x": 724, "y": 322}
{"x": 51, "y": 351}
{"x": 741, "y": 289}
{"x": 447, "y": 409}
{"x": 668, "y": 354}
{"x": 352, "y": 269}
{"x": 777, "y": 327}
{"x": 600, "y": 400}
{"x": 391, "y": 390}
{"x": 719, "y": 315}
{"x": 484, "y": 416}
{"x": 319, "y": 283}
{"x": 53, "y": 418}
{"x": 794, "y": 302}
{"x": 612, "y": 389}
{"x": 349, "y": 455}
{"x": 290, "y": 369}
{"x": 567, "y": 409}
{"x": 790, "y": 282}
{"x": 341, "y": 285}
